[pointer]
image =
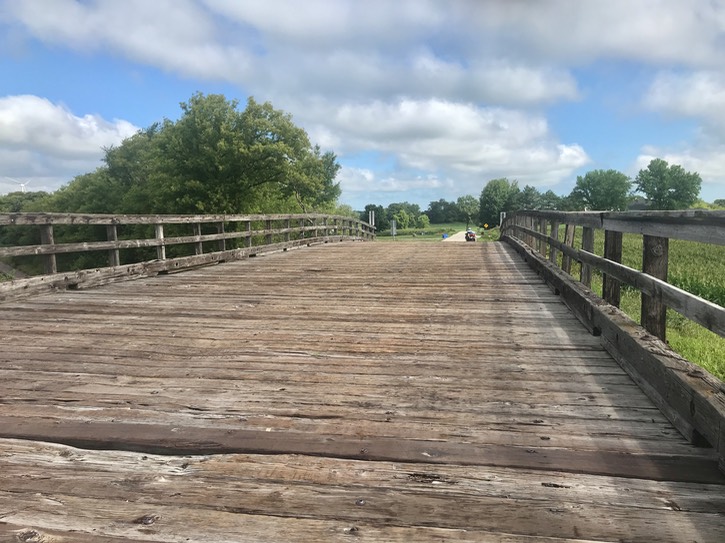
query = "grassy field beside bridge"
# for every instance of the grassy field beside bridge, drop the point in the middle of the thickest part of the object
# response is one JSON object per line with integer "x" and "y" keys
{"x": 695, "y": 267}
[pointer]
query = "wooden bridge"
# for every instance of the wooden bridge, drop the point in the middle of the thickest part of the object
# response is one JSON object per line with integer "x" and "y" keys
{"x": 335, "y": 390}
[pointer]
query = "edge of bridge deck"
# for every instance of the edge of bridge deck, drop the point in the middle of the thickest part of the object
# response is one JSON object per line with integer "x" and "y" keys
{"x": 375, "y": 392}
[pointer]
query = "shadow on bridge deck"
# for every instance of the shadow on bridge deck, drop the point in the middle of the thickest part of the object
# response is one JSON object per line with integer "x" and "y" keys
{"x": 347, "y": 392}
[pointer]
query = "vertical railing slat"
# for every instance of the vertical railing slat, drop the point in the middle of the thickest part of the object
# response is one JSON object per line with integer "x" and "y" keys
{"x": 611, "y": 289}
{"x": 654, "y": 262}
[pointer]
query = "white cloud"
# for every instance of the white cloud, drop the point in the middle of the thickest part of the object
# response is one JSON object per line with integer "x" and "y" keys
{"x": 445, "y": 90}
{"x": 698, "y": 94}
{"x": 41, "y": 140}
{"x": 655, "y": 31}
{"x": 433, "y": 135}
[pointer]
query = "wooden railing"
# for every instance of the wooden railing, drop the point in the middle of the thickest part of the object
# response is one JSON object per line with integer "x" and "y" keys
{"x": 541, "y": 230}
{"x": 125, "y": 246}
{"x": 692, "y": 399}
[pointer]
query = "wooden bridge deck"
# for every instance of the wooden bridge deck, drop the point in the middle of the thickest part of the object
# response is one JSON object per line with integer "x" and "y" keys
{"x": 346, "y": 392}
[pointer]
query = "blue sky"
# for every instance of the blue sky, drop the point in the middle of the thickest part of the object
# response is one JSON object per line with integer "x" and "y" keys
{"x": 420, "y": 99}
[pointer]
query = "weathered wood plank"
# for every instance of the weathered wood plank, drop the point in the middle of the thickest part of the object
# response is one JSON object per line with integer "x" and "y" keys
{"x": 162, "y": 439}
{"x": 298, "y": 490}
{"x": 429, "y": 399}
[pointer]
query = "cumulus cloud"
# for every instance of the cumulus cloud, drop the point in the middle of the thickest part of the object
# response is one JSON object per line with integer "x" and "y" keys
{"x": 457, "y": 138}
{"x": 446, "y": 91}
{"x": 698, "y": 94}
{"x": 43, "y": 140}
{"x": 435, "y": 147}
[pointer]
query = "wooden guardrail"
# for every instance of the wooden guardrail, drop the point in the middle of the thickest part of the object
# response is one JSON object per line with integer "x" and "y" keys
{"x": 137, "y": 245}
{"x": 692, "y": 399}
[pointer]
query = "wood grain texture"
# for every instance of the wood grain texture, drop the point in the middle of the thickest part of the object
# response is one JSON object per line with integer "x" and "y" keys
{"x": 346, "y": 392}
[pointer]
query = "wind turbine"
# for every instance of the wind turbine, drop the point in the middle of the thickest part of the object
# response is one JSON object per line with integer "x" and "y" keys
{"x": 22, "y": 185}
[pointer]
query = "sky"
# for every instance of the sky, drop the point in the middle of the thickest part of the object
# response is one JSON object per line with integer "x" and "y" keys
{"x": 419, "y": 99}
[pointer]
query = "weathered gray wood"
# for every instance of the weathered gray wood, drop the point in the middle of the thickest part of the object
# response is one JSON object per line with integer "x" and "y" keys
{"x": 540, "y": 242}
{"x": 159, "y": 242}
{"x": 692, "y": 225}
{"x": 654, "y": 263}
{"x": 413, "y": 403}
{"x": 588, "y": 246}
{"x": 20, "y": 219}
{"x": 692, "y": 399}
{"x": 47, "y": 238}
{"x": 554, "y": 237}
{"x": 699, "y": 310}
{"x": 612, "y": 288}
{"x": 569, "y": 232}
{"x": 100, "y": 276}
{"x": 114, "y": 257}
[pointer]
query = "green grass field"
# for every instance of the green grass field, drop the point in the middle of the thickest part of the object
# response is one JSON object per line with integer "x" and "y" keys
{"x": 695, "y": 267}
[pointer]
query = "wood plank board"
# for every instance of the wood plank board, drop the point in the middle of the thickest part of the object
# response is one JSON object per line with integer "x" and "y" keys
{"x": 371, "y": 392}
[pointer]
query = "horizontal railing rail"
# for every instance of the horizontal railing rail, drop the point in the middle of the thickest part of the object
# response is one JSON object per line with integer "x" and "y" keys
{"x": 541, "y": 231}
{"x": 120, "y": 243}
{"x": 690, "y": 397}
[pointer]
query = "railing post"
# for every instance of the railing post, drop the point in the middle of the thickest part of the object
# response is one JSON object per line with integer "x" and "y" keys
{"x": 587, "y": 245}
{"x": 611, "y": 290}
{"x": 160, "y": 249}
{"x": 569, "y": 232}
{"x": 542, "y": 230}
{"x": 47, "y": 238}
{"x": 268, "y": 234}
{"x": 222, "y": 242}
{"x": 114, "y": 258}
{"x": 555, "y": 236}
{"x": 198, "y": 246}
{"x": 287, "y": 224}
{"x": 654, "y": 262}
{"x": 248, "y": 241}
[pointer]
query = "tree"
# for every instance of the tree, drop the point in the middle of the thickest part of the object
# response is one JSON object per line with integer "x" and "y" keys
{"x": 468, "y": 207}
{"x": 423, "y": 221}
{"x": 402, "y": 219}
{"x": 668, "y": 187}
{"x": 550, "y": 200}
{"x": 214, "y": 159}
{"x": 381, "y": 219}
{"x": 603, "y": 190}
{"x": 498, "y": 195}
{"x": 528, "y": 198}
{"x": 15, "y": 202}
{"x": 411, "y": 213}
{"x": 442, "y": 211}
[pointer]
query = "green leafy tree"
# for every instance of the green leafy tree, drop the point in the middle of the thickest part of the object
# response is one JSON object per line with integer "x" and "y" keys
{"x": 498, "y": 195}
{"x": 468, "y": 207}
{"x": 382, "y": 222}
{"x": 214, "y": 159}
{"x": 550, "y": 200}
{"x": 423, "y": 221}
{"x": 668, "y": 187}
{"x": 411, "y": 210}
{"x": 720, "y": 202}
{"x": 16, "y": 202}
{"x": 402, "y": 219}
{"x": 528, "y": 198}
{"x": 442, "y": 211}
{"x": 603, "y": 190}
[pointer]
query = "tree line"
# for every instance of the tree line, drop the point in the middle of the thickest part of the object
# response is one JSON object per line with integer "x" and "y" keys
{"x": 659, "y": 186}
{"x": 216, "y": 158}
